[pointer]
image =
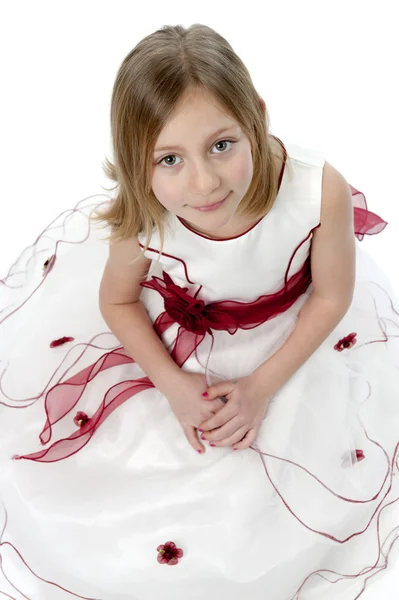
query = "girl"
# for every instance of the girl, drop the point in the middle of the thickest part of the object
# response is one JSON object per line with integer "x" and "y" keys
{"x": 215, "y": 388}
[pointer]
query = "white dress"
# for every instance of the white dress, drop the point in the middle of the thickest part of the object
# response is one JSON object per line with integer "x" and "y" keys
{"x": 95, "y": 470}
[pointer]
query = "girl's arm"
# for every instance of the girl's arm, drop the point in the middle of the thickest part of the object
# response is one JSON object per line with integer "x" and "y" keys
{"x": 333, "y": 253}
{"x": 127, "y": 318}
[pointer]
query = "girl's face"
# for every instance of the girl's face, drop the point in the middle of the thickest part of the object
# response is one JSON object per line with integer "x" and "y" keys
{"x": 195, "y": 166}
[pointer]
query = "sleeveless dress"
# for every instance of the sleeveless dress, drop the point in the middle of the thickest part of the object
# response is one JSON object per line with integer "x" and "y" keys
{"x": 101, "y": 495}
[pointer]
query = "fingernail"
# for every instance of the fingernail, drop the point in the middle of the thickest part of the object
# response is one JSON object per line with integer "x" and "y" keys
{"x": 235, "y": 448}
{"x": 202, "y": 437}
{"x": 205, "y": 394}
{"x": 201, "y": 430}
{"x": 211, "y": 444}
{"x": 200, "y": 451}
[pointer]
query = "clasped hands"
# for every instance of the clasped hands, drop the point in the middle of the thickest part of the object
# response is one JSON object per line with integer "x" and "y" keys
{"x": 238, "y": 422}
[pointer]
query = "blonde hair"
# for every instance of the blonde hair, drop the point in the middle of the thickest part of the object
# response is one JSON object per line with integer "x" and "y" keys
{"x": 149, "y": 84}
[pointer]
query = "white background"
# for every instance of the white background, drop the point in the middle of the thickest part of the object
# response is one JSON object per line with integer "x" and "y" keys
{"x": 326, "y": 70}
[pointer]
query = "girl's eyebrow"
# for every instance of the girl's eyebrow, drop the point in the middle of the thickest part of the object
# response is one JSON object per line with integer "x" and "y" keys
{"x": 177, "y": 147}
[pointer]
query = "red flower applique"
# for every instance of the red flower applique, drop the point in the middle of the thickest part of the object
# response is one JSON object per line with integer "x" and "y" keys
{"x": 169, "y": 554}
{"x": 185, "y": 309}
{"x": 350, "y": 458}
{"x": 48, "y": 265}
{"x": 81, "y": 419}
{"x": 346, "y": 342}
{"x": 189, "y": 311}
{"x": 359, "y": 455}
{"x": 60, "y": 341}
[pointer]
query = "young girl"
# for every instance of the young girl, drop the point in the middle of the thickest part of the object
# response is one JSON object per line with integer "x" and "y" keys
{"x": 212, "y": 386}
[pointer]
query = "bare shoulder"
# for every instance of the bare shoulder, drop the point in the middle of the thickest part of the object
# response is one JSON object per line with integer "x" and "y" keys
{"x": 331, "y": 175}
{"x": 336, "y": 192}
{"x": 125, "y": 269}
{"x": 125, "y": 250}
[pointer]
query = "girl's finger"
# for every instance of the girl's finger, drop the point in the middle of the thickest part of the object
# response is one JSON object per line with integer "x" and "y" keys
{"x": 224, "y": 431}
{"x": 219, "y": 420}
{"x": 191, "y": 435}
{"x": 232, "y": 439}
{"x": 215, "y": 405}
{"x": 247, "y": 440}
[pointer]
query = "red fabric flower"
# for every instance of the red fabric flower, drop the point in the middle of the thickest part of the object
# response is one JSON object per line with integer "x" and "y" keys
{"x": 352, "y": 457}
{"x": 183, "y": 308}
{"x": 359, "y": 455}
{"x": 60, "y": 341}
{"x": 346, "y": 342}
{"x": 187, "y": 311}
{"x": 169, "y": 554}
{"x": 81, "y": 419}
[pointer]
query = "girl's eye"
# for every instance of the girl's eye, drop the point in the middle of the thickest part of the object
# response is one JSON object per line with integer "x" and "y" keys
{"x": 174, "y": 155}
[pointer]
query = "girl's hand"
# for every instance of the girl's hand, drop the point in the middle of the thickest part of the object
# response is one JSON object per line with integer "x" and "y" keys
{"x": 189, "y": 406}
{"x": 238, "y": 422}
